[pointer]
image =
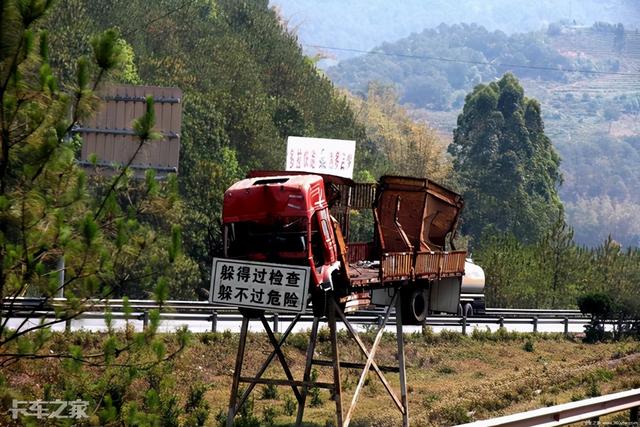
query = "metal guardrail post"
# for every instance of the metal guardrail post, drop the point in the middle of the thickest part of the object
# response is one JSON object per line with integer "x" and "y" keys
{"x": 566, "y": 326}
{"x": 379, "y": 321}
{"x": 214, "y": 321}
{"x": 145, "y": 320}
{"x": 501, "y": 322}
{"x": 275, "y": 323}
{"x": 535, "y": 324}
{"x": 67, "y": 325}
{"x": 633, "y": 415}
{"x": 464, "y": 325}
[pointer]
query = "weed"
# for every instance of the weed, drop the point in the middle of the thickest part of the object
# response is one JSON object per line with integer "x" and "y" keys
{"x": 314, "y": 392}
{"x": 528, "y": 346}
{"x": 454, "y": 415}
{"x": 270, "y": 391}
{"x": 575, "y": 397}
{"x": 593, "y": 388}
{"x": 428, "y": 336}
{"x": 210, "y": 337}
{"x": 451, "y": 336}
{"x": 430, "y": 398}
{"x": 289, "y": 405}
{"x": 269, "y": 414}
{"x": 196, "y": 408}
{"x": 603, "y": 374}
{"x": 446, "y": 370}
{"x": 226, "y": 335}
{"x": 299, "y": 341}
{"x": 323, "y": 334}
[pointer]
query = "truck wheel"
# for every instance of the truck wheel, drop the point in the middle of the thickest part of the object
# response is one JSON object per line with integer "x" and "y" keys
{"x": 468, "y": 310}
{"x": 414, "y": 306}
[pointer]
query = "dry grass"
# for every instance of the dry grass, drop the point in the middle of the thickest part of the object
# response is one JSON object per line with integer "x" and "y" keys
{"x": 451, "y": 378}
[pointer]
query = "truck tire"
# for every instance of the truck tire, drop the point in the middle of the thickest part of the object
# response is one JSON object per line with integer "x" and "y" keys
{"x": 468, "y": 310}
{"x": 415, "y": 305}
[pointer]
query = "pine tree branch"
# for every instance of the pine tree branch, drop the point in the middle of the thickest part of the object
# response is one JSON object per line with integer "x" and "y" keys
{"x": 115, "y": 182}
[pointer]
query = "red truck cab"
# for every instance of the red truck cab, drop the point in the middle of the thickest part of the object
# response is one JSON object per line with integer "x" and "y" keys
{"x": 281, "y": 219}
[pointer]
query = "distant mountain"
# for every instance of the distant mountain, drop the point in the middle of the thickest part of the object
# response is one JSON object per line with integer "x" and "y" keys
{"x": 363, "y": 24}
{"x": 592, "y": 118}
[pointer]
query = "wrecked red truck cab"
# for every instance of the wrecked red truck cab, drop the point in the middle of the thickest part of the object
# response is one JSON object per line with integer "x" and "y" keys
{"x": 281, "y": 219}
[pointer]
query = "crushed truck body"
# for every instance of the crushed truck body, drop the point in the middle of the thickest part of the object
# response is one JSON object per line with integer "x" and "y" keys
{"x": 304, "y": 219}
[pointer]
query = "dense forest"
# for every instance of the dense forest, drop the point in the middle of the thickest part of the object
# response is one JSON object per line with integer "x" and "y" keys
{"x": 590, "y": 116}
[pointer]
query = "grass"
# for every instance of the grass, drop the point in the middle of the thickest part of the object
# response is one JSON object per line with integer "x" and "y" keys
{"x": 451, "y": 378}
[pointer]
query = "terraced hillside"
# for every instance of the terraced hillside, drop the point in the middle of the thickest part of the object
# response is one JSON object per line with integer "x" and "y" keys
{"x": 591, "y": 116}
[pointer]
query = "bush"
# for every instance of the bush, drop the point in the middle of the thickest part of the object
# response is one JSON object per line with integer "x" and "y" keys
{"x": 316, "y": 399}
{"x": 289, "y": 405}
{"x": 454, "y": 415}
{"x": 270, "y": 391}
{"x": 596, "y": 304}
{"x": 528, "y": 346}
{"x": 299, "y": 341}
{"x": 269, "y": 414}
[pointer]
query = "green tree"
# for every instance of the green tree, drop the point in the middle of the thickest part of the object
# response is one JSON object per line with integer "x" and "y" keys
{"x": 48, "y": 212}
{"x": 506, "y": 165}
{"x": 246, "y": 85}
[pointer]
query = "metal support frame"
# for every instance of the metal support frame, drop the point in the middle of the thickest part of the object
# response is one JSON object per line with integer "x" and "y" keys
{"x": 301, "y": 388}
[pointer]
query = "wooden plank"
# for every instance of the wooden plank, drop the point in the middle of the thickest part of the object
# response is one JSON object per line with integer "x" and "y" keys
{"x": 294, "y": 383}
{"x": 237, "y": 371}
{"x": 337, "y": 392}
{"x": 307, "y": 369}
{"x": 401, "y": 362}
{"x": 281, "y": 358}
{"x": 354, "y": 365}
{"x": 267, "y": 362}
{"x": 129, "y": 117}
{"x": 110, "y": 123}
{"x": 165, "y": 159}
{"x": 374, "y": 365}
{"x": 176, "y": 126}
{"x": 121, "y": 122}
{"x": 370, "y": 360}
{"x": 121, "y": 106}
{"x": 139, "y": 109}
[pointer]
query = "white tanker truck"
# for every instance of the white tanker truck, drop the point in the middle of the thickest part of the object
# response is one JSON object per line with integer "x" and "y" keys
{"x": 472, "y": 290}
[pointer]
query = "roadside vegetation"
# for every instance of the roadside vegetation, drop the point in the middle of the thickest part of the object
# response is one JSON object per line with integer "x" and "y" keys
{"x": 452, "y": 378}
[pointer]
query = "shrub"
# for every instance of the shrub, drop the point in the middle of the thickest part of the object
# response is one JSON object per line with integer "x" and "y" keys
{"x": 528, "y": 346}
{"x": 289, "y": 405}
{"x": 314, "y": 392}
{"x": 269, "y": 414}
{"x": 299, "y": 341}
{"x": 270, "y": 391}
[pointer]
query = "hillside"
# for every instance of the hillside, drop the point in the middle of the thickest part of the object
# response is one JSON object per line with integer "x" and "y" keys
{"x": 591, "y": 118}
{"x": 364, "y": 24}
